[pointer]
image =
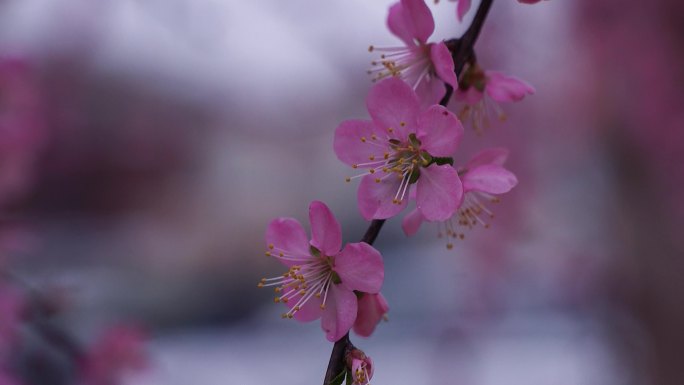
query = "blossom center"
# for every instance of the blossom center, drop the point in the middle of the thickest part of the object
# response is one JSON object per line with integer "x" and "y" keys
{"x": 309, "y": 278}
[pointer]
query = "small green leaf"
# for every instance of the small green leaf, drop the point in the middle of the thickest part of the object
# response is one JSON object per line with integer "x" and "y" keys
{"x": 314, "y": 251}
{"x": 349, "y": 377}
{"x": 415, "y": 174}
{"x": 339, "y": 378}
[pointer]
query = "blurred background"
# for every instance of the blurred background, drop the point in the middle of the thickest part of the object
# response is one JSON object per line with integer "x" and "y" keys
{"x": 145, "y": 146}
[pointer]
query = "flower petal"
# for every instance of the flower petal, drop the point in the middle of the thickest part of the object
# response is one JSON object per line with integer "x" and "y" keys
{"x": 340, "y": 312}
{"x": 353, "y": 142}
{"x": 419, "y": 18}
{"x": 462, "y": 8}
{"x": 470, "y": 96}
{"x": 489, "y": 178}
{"x": 504, "y": 88}
{"x": 439, "y": 192}
{"x": 443, "y": 63}
{"x": 376, "y": 199}
{"x": 397, "y": 24}
{"x": 310, "y": 311}
{"x": 440, "y": 131}
{"x": 392, "y": 102}
{"x": 411, "y": 20}
{"x": 360, "y": 267}
{"x": 287, "y": 235}
{"x": 430, "y": 91}
{"x": 496, "y": 156}
{"x": 372, "y": 307}
{"x": 411, "y": 222}
{"x": 326, "y": 233}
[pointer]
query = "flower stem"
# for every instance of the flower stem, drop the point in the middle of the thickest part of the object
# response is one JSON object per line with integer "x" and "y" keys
{"x": 462, "y": 52}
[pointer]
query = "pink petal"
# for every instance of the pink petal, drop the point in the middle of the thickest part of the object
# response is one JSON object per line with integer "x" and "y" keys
{"x": 349, "y": 146}
{"x": 375, "y": 199}
{"x": 340, "y": 312}
{"x": 372, "y": 307}
{"x": 529, "y": 1}
{"x": 397, "y": 24}
{"x": 503, "y": 88}
{"x": 496, "y": 156}
{"x": 430, "y": 91}
{"x": 288, "y": 235}
{"x": 489, "y": 178}
{"x": 326, "y": 233}
{"x": 360, "y": 267}
{"x": 470, "y": 96}
{"x": 411, "y": 20}
{"x": 439, "y": 192}
{"x": 440, "y": 131}
{"x": 443, "y": 63}
{"x": 392, "y": 102}
{"x": 462, "y": 8}
{"x": 411, "y": 222}
{"x": 308, "y": 312}
{"x": 419, "y": 18}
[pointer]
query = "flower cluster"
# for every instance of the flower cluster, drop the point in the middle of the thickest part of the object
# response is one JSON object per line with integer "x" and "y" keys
{"x": 403, "y": 153}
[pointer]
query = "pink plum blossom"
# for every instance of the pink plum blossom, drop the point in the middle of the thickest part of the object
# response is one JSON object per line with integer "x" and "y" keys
{"x": 402, "y": 145}
{"x": 117, "y": 351}
{"x": 7, "y": 378}
{"x": 425, "y": 66}
{"x": 321, "y": 279}
{"x": 361, "y": 367}
{"x": 483, "y": 178}
{"x": 477, "y": 87}
{"x": 372, "y": 309}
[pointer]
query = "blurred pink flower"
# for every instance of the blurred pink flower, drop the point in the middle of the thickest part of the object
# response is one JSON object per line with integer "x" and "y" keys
{"x": 11, "y": 311}
{"x": 425, "y": 66}
{"x": 399, "y": 147}
{"x": 6, "y": 378}
{"x": 321, "y": 280}
{"x": 372, "y": 309}
{"x": 361, "y": 368}
{"x": 483, "y": 178}
{"x": 22, "y": 130}
{"x": 118, "y": 351}
{"x": 463, "y": 6}
{"x": 476, "y": 86}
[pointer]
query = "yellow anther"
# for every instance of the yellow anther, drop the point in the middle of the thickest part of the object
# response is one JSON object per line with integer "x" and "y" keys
{"x": 374, "y": 137}
{"x": 268, "y": 253}
{"x": 347, "y": 179}
{"x": 355, "y": 166}
{"x": 278, "y": 289}
{"x": 322, "y": 306}
{"x": 386, "y": 155}
{"x": 281, "y": 254}
{"x": 276, "y": 299}
{"x": 296, "y": 308}
{"x": 377, "y": 180}
{"x": 372, "y": 157}
{"x": 317, "y": 295}
{"x": 390, "y": 129}
{"x": 403, "y": 124}
{"x": 270, "y": 246}
{"x": 372, "y": 171}
{"x": 370, "y": 48}
{"x": 260, "y": 285}
{"x": 450, "y": 246}
{"x": 284, "y": 316}
{"x": 285, "y": 299}
{"x": 363, "y": 139}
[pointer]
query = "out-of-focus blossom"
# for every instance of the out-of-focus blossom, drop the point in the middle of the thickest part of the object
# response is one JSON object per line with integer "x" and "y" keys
{"x": 321, "y": 279}
{"x": 372, "y": 309}
{"x": 22, "y": 130}
{"x": 483, "y": 178}
{"x": 477, "y": 87}
{"x": 11, "y": 312}
{"x": 361, "y": 367}
{"x": 402, "y": 145}
{"x": 118, "y": 351}
{"x": 7, "y": 378}
{"x": 425, "y": 66}
{"x": 463, "y": 6}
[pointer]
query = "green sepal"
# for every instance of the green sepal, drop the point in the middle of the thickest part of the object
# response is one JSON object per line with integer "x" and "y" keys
{"x": 339, "y": 378}
{"x": 349, "y": 377}
{"x": 335, "y": 278}
{"x": 443, "y": 160}
{"x": 415, "y": 174}
{"x": 413, "y": 141}
{"x": 314, "y": 251}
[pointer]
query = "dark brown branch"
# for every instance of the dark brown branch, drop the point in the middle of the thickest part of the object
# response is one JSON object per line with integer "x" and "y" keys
{"x": 462, "y": 51}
